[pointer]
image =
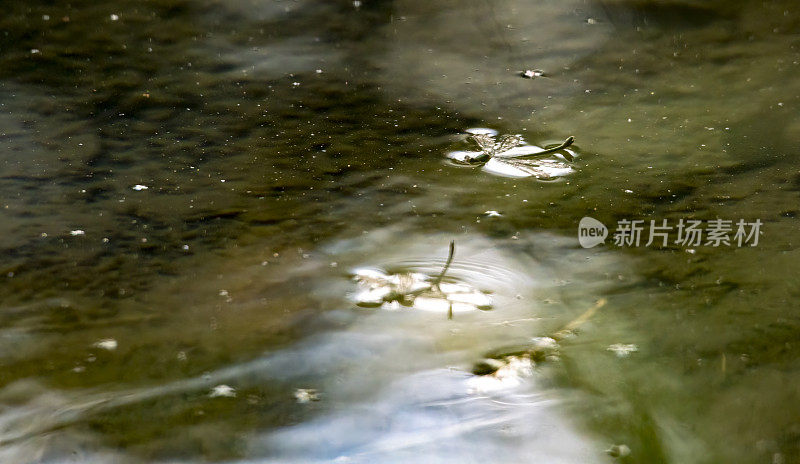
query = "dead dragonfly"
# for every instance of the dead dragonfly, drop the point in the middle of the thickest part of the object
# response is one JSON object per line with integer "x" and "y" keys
{"x": 491, "y": 147}
{"x": 418, "y": 290}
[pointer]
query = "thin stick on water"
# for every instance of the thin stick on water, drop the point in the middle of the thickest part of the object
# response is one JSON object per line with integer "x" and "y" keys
{"x": 493, "y": 362}
{"x": 578, "y": 321}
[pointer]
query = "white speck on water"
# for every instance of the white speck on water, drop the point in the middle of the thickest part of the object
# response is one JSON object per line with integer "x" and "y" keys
{"x": 223, "y": 293}
{"x": 295, "y": 84}
{"x": 628, "y": 191}
{"x": 181, "y": 356}
{"x": 139, "y": 187}
{"x": 305, "y": 395}
{"x": 185, "y": 247}
{"x": 532, "y": 73}
{"x": 34, "y": 51}
{"x": 45, "y": 17}
{"x": 114, "y": 17}
{"x": 105, "y": 239}
{"x": 623, "y": 350}
{"x": 77, "y": 232}
{"x": 106, "y": 344}
{"x": 618, "y": 451}
{"x": 319, "y": 71}
{"x": 356, "y": 4}
{"x": 222, "y": 391}
{"x": 492, "y": 213}
{"x": 691, "y": 251}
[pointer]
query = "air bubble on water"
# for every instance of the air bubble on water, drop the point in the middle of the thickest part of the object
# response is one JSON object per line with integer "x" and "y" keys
{"x": 306, "y": 395}
{"x": 623, "y": 350}
{"x": 106, "y": 344}
{"x": 222, "y": 391}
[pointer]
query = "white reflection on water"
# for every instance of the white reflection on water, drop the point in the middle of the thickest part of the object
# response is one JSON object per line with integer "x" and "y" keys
{"x": 395, "y": 386}
{"x": 430, "y": 416}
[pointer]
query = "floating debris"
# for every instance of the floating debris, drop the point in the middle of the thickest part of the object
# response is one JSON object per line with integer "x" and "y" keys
{"x": 77, "y": 232}
{"x": 532, "y": 73}
{"x": 106, "y": 344}
{"x": 222, "y": 391}
{"x": 419, "y": 291}
{"x": 139, "y": 187}
{"x": 540, "y": 349}
{"x": 492, "y": 213}
{"x": 509, "y": 373}
{"x": 623, "y": 350}
{"x": 510, "y": 156}
{"x": 495, "y": 364}
{"x": 306, "y": 395}
{"x": 618, "y": 451}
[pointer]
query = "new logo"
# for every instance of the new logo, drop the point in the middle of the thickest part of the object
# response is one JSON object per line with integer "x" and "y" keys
{"x": 591, "y": 232}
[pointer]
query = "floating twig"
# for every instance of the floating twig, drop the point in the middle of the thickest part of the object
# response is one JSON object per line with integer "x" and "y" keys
{"x": 536, "y": 352}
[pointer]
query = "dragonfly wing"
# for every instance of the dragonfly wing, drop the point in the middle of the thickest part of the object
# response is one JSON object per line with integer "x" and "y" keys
{"x": 523, "y": 150}
{"x": 541, "y": 169}
{"x": 506, "y": 143}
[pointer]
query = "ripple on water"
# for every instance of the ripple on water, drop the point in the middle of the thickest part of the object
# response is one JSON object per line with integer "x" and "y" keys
{"x": 418, "y": 290}
{"x": 437, "y": 285}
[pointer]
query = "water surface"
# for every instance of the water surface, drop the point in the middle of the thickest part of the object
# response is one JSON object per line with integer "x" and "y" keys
{"x": 285, "y": 144}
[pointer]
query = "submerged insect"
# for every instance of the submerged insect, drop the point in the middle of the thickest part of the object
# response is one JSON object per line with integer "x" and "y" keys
{"x": 509, "y": 155}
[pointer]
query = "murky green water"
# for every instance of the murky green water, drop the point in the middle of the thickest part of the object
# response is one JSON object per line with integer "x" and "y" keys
{"x": 286, "y": 144}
